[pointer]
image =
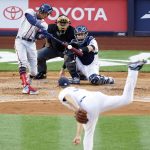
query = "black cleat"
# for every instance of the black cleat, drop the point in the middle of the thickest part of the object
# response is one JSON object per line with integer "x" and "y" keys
{"x": 137, "y": 65}
{"x": 82, "y": 77}
{"x": 40, "y": 75}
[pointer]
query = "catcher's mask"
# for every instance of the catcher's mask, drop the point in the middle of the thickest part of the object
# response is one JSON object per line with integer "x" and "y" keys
{"x": 63, "y": 82}
{"x": 63, "y": 23}
{"x": 81, "y": 33}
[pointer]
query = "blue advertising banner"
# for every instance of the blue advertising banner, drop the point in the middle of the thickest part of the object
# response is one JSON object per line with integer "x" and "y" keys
{"x": 142, "y": 17}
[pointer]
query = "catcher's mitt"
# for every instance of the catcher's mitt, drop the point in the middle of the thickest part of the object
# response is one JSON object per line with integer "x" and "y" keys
{"x": 81, "y": 116}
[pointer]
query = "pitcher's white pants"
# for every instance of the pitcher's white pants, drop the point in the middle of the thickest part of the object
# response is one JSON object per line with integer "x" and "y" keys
{"x": 27, "y": 55}
{"x": 99, "y": 102}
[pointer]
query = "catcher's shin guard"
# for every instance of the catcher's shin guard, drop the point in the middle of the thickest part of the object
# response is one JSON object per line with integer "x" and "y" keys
{"x": 71, "y": 66}
{"x": 100, "y": 80}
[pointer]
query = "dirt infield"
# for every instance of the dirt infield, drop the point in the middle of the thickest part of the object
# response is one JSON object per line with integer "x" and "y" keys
{"x": 14, "y": 102}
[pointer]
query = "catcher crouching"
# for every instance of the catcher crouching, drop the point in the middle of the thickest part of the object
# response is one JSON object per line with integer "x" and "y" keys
{"x": 88, "y": 105}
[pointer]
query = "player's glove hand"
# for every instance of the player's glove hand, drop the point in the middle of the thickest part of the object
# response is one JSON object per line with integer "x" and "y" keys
{"x": 81, "y": 116}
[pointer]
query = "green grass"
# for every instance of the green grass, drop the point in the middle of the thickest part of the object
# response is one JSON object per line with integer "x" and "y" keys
{"x": 22, "y": 132}
{"x": 109, "y": 54}
{"x": 146, "y": 68}
{"x": 118, "y": 54}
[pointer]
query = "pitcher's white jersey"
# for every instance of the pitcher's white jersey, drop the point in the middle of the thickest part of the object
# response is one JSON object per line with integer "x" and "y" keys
{"x": 76, "y": 94}
{"x": 27, "y": 30}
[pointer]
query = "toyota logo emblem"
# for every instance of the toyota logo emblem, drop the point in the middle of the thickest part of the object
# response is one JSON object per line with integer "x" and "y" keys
{"x": 13, "y": 13}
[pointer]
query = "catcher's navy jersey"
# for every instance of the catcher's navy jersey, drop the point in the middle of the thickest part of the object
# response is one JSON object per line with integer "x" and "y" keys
{"x": 87, "y": 57}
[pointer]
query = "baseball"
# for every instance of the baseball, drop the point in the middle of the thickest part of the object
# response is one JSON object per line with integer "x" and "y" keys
{"x": 69, "y": 47}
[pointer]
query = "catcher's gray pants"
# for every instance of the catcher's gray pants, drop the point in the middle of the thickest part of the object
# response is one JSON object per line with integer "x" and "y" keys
{"x": 45, "y": 54}
{"x": 98, "y": 102}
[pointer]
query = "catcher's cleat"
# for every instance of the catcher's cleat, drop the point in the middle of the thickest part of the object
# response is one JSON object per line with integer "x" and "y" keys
{"x": 29, "y": 90}
{"x": 100, "y": 79}
{"x": 82, "y": 77}
{"x": 74, "y": 80}
{"x": 111, "y": 80}
{"x": 137, "y": 65}
{"x": 40, "y": 75}
{"x": 105, "y": 80}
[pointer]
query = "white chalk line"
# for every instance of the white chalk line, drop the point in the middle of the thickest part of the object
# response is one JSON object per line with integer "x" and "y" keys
{"x": 136, "y": 99}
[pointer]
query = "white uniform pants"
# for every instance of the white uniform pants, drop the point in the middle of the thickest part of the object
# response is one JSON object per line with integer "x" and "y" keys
{"x": 27, "y": 55}
{"x": 98, "y": 102}
{"x": 88, "y": 70}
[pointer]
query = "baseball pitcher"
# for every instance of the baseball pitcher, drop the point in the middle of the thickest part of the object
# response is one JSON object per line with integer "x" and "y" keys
{"x": 87, "y": 105}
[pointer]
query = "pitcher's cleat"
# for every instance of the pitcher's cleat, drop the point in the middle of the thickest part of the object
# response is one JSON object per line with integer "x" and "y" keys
{"x": 29, "y": 90}
{"x": 137, "y": 65}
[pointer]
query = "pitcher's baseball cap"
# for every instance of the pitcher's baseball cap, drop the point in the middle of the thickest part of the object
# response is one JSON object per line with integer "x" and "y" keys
{"x": 63, "y": 82}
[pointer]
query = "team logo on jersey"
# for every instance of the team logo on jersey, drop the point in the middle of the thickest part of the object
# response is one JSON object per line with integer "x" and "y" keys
{"x": 13, "y": 13}
{"x": 146, "y": 16}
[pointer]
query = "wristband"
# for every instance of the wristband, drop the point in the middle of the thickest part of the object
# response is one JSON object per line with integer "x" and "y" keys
{"x": 93, "y": 47}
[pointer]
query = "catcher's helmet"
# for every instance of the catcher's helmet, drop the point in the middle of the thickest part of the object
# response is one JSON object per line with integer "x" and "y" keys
{"x": 81, "y": 33}
{"x": 45, "y": 8}
{"x": 63, "y": 82}
{"x": 63, "y": 23}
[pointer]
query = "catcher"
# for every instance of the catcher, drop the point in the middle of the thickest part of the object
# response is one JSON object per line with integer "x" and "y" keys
{"x": 87, "y": 105}
{"x": 87, "y": 65}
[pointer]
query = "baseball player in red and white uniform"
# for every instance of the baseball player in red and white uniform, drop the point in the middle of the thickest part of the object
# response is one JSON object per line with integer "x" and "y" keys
{"x": 94, "y": 103}
{"x": 31, "y": 26}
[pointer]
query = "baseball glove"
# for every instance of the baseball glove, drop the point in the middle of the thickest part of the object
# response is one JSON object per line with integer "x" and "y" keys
{"x": 81, "y": 116}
